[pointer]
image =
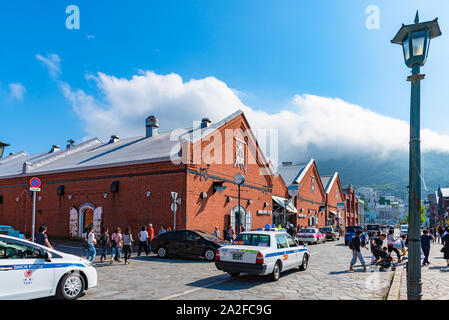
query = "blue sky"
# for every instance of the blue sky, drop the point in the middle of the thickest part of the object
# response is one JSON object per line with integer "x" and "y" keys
{"x": 266, "y": 50}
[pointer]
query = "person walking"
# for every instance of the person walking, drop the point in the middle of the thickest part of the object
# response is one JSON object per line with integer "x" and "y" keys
{"x": 225, "y": 234}
{"x": 372, "y": 245}
{"x": 390, "y": 244}
{"x": 426, "y": 239}
{"x": 356, "y": 244}
{"x": 116, "y": 244}
{"x": 91, "y": 242}
{"x": 378, "y": 243}
{"x": 150, "y": 236}
{"x": 217, "y": 232}
{"x": 445, "y": 250}
{"x": 105, "y": 243}
{"x": 42, "y": 237}
{"x": 231, "y": 233}
{"x": 162, "y": 229}
{"x": 127, "y": 244}
{"x": 440, "y": 233}
{"x": 143, "y": 241}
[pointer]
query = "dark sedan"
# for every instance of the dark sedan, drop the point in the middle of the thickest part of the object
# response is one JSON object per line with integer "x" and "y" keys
{"x": 187, "y": 243}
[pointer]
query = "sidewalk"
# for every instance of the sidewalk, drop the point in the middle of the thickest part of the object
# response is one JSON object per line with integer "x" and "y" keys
{"x": 435, "y": 277}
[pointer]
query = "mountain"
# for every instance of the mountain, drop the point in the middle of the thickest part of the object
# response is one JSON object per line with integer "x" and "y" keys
{"x": 389, "y": 176}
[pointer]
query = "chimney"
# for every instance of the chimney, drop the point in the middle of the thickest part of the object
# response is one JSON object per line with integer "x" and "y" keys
{"x": 287, "y": 164}
{"x": 152, "y": 125}
{"x": 113, "y": 139}
{"x": 70, "y": 143}
{"x": 55, "y": 148}
{"x": 205, "y": 122}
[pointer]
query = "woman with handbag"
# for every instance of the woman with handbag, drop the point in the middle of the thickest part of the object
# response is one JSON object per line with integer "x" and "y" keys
{"x": 90, "y": 244}
{"x": 116, "y": 244}
{"x": 445, "y": 249}
{"x": 105, "y": 243}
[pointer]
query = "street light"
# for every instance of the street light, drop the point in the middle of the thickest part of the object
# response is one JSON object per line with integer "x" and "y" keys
{"x": 415, "y": 41}
{"x": 239, "y": 179}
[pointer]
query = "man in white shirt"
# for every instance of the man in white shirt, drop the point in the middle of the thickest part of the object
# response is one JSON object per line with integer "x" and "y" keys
{"x": 143, "y": 241}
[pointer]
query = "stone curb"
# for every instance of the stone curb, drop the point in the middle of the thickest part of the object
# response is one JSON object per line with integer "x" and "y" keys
{"x": 393, "y": 293}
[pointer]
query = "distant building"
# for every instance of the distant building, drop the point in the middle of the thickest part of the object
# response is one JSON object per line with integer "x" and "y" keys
{"x": 443, "y": 206}
{"x": 367, "y": 194}
{"x": 432, "y": 209}
{"x": 351, "y": 207}
{"x": 362, "y": 212}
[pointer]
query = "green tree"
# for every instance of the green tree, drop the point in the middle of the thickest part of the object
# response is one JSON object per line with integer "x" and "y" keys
{"x": 423, "y": 215}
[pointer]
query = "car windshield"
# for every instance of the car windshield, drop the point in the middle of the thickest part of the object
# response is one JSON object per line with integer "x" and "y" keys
{"x": 207, "y": 235}
{"x": 373, "y": 227}
{"x": 308, "y": 230}
{"x": 256, "y": 240}
{"x": 326, "y": 229}
{"x": 404, "y": 227}
{"x": 353, "y": 229}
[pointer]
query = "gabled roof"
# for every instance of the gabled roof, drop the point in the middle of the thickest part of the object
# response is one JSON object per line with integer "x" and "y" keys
{"x": 328, "y": 182}
{"x": 294, "y": 174}
{"x": 97, "y": 154}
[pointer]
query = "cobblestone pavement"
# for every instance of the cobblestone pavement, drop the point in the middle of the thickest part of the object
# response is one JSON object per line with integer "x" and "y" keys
{"x": 435, "y": 277}
{"x": 326, "y": 278}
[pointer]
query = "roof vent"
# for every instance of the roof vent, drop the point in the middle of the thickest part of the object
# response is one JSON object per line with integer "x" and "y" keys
{"x": 152, "y": 125}
{"x": 205, "y": 122}
{"x": 70, "y": 143}
{"x": 55, "y": 148}
{"x": 113, "y": 139}
{"x": 287, "y": 164}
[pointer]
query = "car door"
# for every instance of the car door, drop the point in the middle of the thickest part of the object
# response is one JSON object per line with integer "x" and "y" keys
{"x": 293, "y": 246}
{"x": 24, "y": 273}
{"x": 282, "y": 246}
{"x": 194, "y": 244}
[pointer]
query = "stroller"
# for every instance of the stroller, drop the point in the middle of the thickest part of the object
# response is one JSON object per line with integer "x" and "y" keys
{"x": 386, "y": 262}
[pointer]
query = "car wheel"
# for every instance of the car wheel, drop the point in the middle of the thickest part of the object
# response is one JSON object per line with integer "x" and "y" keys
{"x": 70, "y": 287}
{"x": 305, "y": 262}
{"x": 276, "y": 274}
{"x": 162, "y": 252}
{"x": 234, "y": 274}
{"x": 209, "y": 254}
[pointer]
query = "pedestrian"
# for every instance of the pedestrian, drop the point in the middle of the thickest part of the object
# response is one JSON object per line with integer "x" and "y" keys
{"x": 426, "y": 239}
{"x": 372, "y": 245}
{"x": 231, "y": 233}
{"x": 105, "y": 243}
{"x": 116, "y": 244}
{"x": 42, "y": 237}
{"x": 355, "y": 245}
{"x": 225, "y": 234}
{"x": 127, "y": 244}
{"x": 242, "y": 229}
{"x": 91, "y": 241}
{"x": 445, "y": 250}
{"x": 378, "y": 243}
{"x": 162, "y": 229}
{"x": 150, "y": 236}
{"x": 440, "y": 234}
{"x": 390, "y": 243}
{"x": 403, "y": 245}
{"x": 168, "y": 229}
{"x": 143, "y": 241}
{"x": 217, "y": 232}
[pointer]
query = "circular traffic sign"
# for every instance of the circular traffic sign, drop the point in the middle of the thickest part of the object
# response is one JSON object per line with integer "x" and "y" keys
{"x": 35, "y": 182}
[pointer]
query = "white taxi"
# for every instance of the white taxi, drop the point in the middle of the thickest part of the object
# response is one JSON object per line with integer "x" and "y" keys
{"x": 29, "y": 271}
{"x": 262, "y": 252}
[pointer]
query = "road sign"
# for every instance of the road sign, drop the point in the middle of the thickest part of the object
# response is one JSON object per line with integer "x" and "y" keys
{"x": 35, "y": 182}
{"x": 293, "y": 190}
{"x": 340, "y": 205}
{"x": 35, "y": 189}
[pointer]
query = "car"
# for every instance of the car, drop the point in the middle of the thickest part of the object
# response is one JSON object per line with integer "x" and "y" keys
{"x": 262, "y": 252}
{"x": 404, "y": 229}
{"x": 187, "y": 243}
{"x": 9, "y": 231}
{"x": 331, "y": 233}
{"x": 30, "y": 271}
{"x": 351, "y": 232}
{"x": 311, "y": 235}
{"x": 370, "y": 228}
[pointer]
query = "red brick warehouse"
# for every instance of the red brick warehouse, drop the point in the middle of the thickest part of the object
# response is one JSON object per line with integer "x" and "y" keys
{"x": 128, "y": 182}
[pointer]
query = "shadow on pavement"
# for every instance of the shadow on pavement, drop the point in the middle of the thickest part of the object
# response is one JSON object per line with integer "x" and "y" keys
{"x": 170, "y": 260}
{"x": 441, "y": 268}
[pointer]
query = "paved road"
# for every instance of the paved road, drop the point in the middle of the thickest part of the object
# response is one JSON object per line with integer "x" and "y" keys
{"x": 153, "y": 278}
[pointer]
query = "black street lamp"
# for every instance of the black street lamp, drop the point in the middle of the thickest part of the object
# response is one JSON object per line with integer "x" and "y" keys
{"x": 2, "y": 148}
{"x": 239, "y": 179}
{"x": 415, "y": 41}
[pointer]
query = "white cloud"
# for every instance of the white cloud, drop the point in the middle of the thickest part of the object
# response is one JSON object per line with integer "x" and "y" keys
{"x": 309, "y": 126}
{"x": 51, "y": 62}
{"x": 17, "y": 90}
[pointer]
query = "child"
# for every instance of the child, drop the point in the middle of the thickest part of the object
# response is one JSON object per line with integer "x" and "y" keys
{"x": 403, "y": 239}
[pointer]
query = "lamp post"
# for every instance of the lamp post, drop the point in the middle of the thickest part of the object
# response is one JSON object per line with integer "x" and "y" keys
{"x": 239, "y": 179}
{"x": 415, "y": 40}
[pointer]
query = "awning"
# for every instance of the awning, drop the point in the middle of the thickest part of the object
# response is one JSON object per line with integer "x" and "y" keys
{"x": 335, "y": 213}
{"x": 281, "y": 201}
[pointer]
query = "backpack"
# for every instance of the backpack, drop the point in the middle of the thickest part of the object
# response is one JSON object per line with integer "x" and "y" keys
{"x": 352, "y": 244}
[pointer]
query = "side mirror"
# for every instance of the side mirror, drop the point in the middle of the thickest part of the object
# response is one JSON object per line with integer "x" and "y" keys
{"x": 47, "y": 256}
